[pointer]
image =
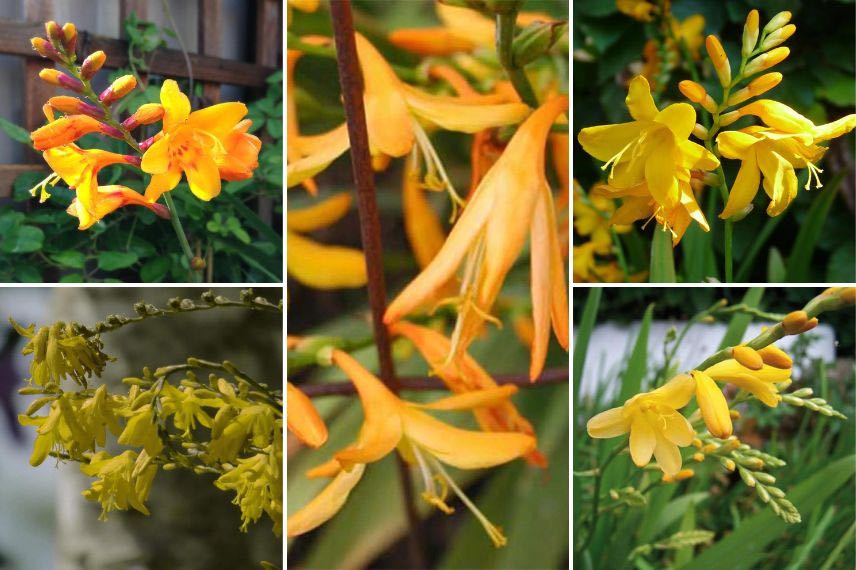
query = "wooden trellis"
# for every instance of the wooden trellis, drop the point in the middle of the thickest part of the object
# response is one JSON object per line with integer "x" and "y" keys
{"x": 208, "y": 68}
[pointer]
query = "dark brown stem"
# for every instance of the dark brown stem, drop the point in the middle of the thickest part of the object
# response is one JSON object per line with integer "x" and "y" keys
{"x": 548, "y": 378}
{"x": 351, "y": 82}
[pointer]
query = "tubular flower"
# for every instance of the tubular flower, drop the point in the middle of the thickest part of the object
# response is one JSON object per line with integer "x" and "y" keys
{"x": 68, "y": 129}
{"x": 192, "y": 143}
{"x": 714, "y": 408}
{"x": 654, "y": 424}
{"x": 322, "y": 266}
{"x": 392, "y": 110}
{"x": 653, "y": 148}
{"x": 592, "y": 216}
{"x": 257, "y": 482}
{"x": 511, "y": 199}
{"x": 123, "y": 481}
{"x": 789, "y": 142}
{"x": 108, "y": 199}
{"x": 463, "y": 30}
{"x": 421, "y": 440}
{"x": 761, "y": 383}
{"x": 641, "y": 10}
{"x": 241, "y": 153}
{"x": 303, "y": 418}
{"x": 465, "y": 375}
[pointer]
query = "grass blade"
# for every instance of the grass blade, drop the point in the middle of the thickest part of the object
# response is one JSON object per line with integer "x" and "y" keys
{"x": 662, "y": 257}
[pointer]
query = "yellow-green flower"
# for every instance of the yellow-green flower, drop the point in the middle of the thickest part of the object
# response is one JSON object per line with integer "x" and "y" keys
{"x": 142, "y": 431}
{"x": 654, "y": 424}
{"x": 257, "y": 482}
{"x": 123, "y": 481}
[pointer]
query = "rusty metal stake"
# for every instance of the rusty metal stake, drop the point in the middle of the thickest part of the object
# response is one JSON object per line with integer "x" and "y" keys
{"x": 351, "y": 81}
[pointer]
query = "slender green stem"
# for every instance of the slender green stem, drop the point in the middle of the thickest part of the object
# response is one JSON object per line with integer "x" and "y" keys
{"x": 182, "y": 238}
{"x": 504, "y": 37}
{"x": 619, "y": 253}
{"x": 596, "y": 496}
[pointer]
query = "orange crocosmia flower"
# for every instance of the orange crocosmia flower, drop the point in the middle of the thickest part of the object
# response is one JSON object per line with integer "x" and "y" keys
{"x": 392, "y": 423}
{"x": 241, "y": 156}
{"x": 394, "y": 111}
{"x": 192, "y": 143}
{"x": 107, "y": 200}
{"x": 463, "y": 30}
{"x": 303, "y": 418}
{"x": 68, "y": 129}
{"x": 513, "y": 199}
{"x": 464, "y": 375}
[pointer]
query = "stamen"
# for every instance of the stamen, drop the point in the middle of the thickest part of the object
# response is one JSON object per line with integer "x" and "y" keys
{"x": 813, "y": 171}
{"x": 430, "y": 494}
{"x": 612, "y": 161}
{"x": 435, "y": 167}
{"x": 41, "y": 187}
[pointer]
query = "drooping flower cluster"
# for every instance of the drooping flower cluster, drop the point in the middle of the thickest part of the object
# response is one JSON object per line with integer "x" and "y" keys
{"x": 207, "y": 146}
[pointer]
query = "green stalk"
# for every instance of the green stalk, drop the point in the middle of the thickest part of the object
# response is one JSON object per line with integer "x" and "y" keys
{"x": 504, "y": 36}
{"x": 179, "y": 232}
{"x": 662, "y": 257}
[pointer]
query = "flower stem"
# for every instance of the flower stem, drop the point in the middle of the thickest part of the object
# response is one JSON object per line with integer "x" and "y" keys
{"x": 182, "y": 238}
{"x": 504, "y": 37}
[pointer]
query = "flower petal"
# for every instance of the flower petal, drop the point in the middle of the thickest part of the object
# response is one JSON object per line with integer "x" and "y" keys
{"x": 303, "y": 418}
{"x": 218, "y": 119}
{"x": 677, "y": 429}
{"x": 639, "y": 101}
{"x": 668, "y": 455}
{"x": 605, "y": 141}
{"x": 320, "y": 215}
{"x": 676, "y": 393}
{"x": 176, "y": 105}
{"x": 745, "y": 185}
{"x": 326, "y": 504}
{"x": 324, "y": 266}
{"x": 714, "y": 408}
{"x": 680, "y": 118}
{"x": 643, "y": 439}
{"x": 661, "y": 169}
{"x": 471, "y": 400}
{"x": 451, "y": 114}
{"x": 780, "y": 180}
{"x": 203, "y": 177}
{"x": 319, "y": 152}
{"x": 610, "y": 423}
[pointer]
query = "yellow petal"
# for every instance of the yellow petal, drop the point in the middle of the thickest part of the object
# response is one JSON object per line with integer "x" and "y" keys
{"x": 695, "y": 156}
{"x": 639, "y": 101}
{"x": 632, "y": 208}
{"x": 780, "y": 181}
{"x": 303, "y": 418}
{"x": 735, "y": 144}
{"x": 714, "y": 408}
{"x": 677, "y": 429}
{"x": 779, "y": 116}
{"x": 605, "y": 141}
{"x": 322, "y": 266}
{"x": 471, "y": 400}
{"x": 156, "y": 157}
{"x": 661, "y": 170}
{"x": 160, "y": 183}
{"x": 541, "y": 282}
{"x": 430, "y": 41}
{"x": 326, "y": 504}
{"x": 764, "y": 391}
{"x": 468, "y": 23}
{"x": 610, "y": 423}
{"x": 421, "y": 223}
{"x": 451, "y": 114}
{"x": 320, "y": 215}
{"x": 667, "y": 454}
{"x": 727, "y": 369}
{"x": 203, "y": 177}
{"x": 676, "y": 393}
{"x": 218, "y": 119}
{"x": 461, "y": 448}
{"x": 320, "y": 152}
{"x": 834, "y": 129}
{"x": 643, "y": 439}
{"x": 176, "y": 105}
{"x": 689, "y": 203}
{"x": 745, "y": 185}
{"x": 680, "y": 118}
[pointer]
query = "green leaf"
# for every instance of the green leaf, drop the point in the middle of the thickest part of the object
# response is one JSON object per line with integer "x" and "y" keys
{"x": 155, "y": 269}
{"x": 71, "y": 278}
{"x": 113, "y": 260}
{"x": 16, "y": 133}
{"x": 22, "y": 239}
{"x": 799, "y": 261}
{"x": 757, "y": 243}
{"x": 27, "y": 274}
{"x": 747, "y": 545}
{"x": 251, "y": 219}
{"x": 775, "y": 266}
{"x": 662, "y": 257}
{"x": 70, "y": 258}
{"x": 581, "y": 339}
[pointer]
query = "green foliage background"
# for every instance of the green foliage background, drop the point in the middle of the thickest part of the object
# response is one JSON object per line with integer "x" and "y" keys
{"x": 818, "y": 82}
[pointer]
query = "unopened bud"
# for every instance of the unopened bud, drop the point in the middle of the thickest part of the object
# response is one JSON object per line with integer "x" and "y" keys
{"x": 777, "y": 22}
{"x": 697, "y": 94}
{"x": 74, "y": 106}
{"x": 756, "y": 87}
{"x": 709, "y": 448}
{"x": 118, "y": 89}
{"x": 54, "y": 34}
{"x": 809, "y": 325}
{"x": 750, "y": 33}
{"x": 69, "y": 37}
{"x": 765, "y": 478}
{"x": 144, "y": 145}
{"x": 848, "y": 294}
{"x": 45, "y": 49}
{"x": 727, "y": 118}
{"x": 684, "y": 474}
{"x": 700, "y": 132}
{"x": 699, "y": 457}
{"x": 697, "y": 443}
{"x": 61, "y": 79}
{"x": 735, "y": 415}
{"x": 776, "y": 357}
{"x": 766, "y": 61}
{"x": 794, "y": 322}
{"x": 778, "y": 37}
{"x": 747, "y": 477}
{"x": 145, "y": 115}
{"x": 197, "y": 263}
{"x": 537, "y": 39}
{"x": 729, "y": 464}
{"x": 762, "y": 493}
{"x": 748, "y": 357}
{"x": 719, "y": 59}
{"x": 803, "y": 393}
{"x": 92, "y": 64}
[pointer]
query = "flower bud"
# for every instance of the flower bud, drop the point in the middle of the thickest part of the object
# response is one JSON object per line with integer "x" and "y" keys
{"x": 809, "y": 325}
{"x": 54, "y": 34}
{"x": 719, "y": 59}
{"x": 709, "y": 448}
{"x": 729, "y": 464}
{"x": 684, "y": 474}
{"x": 748, "y": 357}
{"x": 776, "y": 357}
{"x": 537, "y": 39}
{"x": 697, "y": 94}
{"x": 777, "y": 22}
{"x": 747, "y": 477}
{"x": 69, "y": 37}
{"x": 735, "y": 415}
{"x": 700, "y": 132}
{"x": 145, "y": 115}
{"x": 699, "y": 457}
{"x": 697, "y": 442}
{"x": 763, "y": 494}
{"x": 750, "y": 33}
{"x": 118, "y": 89}
{"x": 61, "y": 79}
{"x": 92, "y": 64}
{"x": 74, "y": 106}
{"x": 848, "y": 294}
{"x": 794, "y": 321}
{"x": 756, "y": 87}
{"x": 778, "y": 37}
{"x": 144, "y": 145}
{"x": 45, "y": 49}
{"x": 726, "y": 119}
{"x": 766, "y": 61}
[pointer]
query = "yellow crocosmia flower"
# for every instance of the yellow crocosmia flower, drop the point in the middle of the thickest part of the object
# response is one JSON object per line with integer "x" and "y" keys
{"x": 303, "y": 418}
{"x": 257, "y": 482}
{"x": 108, "y": 199}
{"x": 391, "y": 423}
{"x": 186, "y": 407}
{"x": 691, "y": 32}
{"x": 192, "y": 143}
{"x": 241, "y": 153}
{"x": 123, "y": 481}
{"x": 142, "y": 431}
{"x": 465, "y": 375}
{"x": 651, "y": 148}
{"x": 512, "y": 199}
{"x": 654, "y": 424}
{"x": 322, "y": 266}
{"x": 592, "y": 216}
{"x": 463, "y": 30}
{"x": 714, "y": 408}
{"x": 637, "y": 9}
{"x": 761, "y": 383}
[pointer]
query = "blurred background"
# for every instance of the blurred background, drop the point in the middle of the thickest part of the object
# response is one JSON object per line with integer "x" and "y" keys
{"x": 610, "y": 48}
{"x": 629, "y": 346}
{"x": 46, "y": 523}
